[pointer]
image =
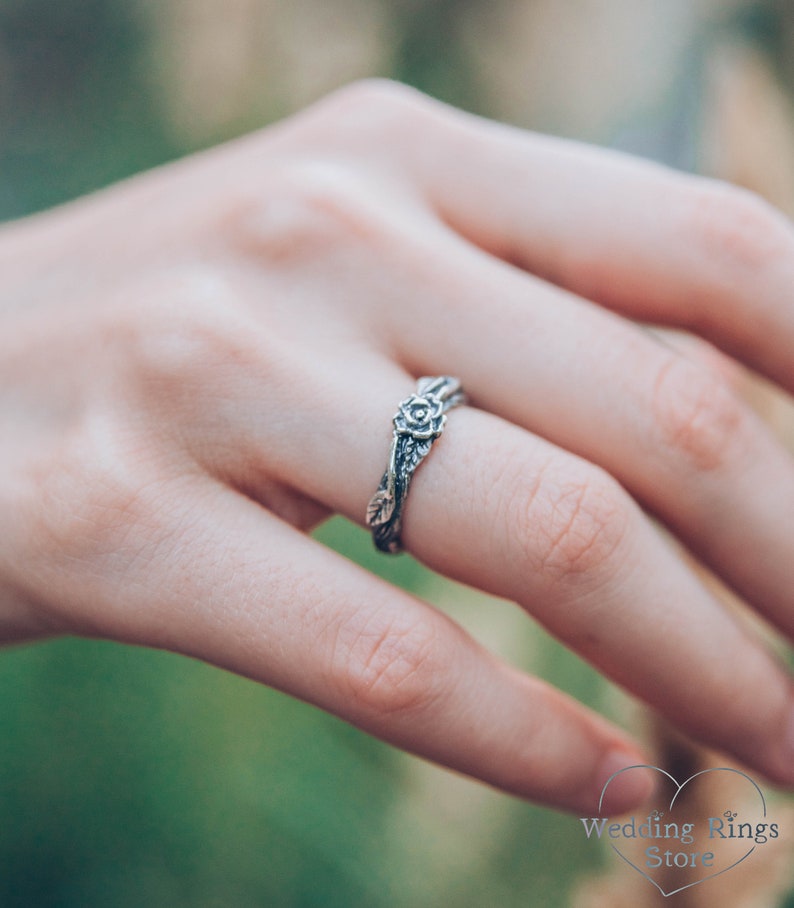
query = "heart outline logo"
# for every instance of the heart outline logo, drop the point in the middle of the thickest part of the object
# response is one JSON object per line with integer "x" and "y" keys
{"x": 679, "y": 788}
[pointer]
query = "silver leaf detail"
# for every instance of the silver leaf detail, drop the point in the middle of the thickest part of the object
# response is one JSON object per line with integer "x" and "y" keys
{"x": 380, "y": 508}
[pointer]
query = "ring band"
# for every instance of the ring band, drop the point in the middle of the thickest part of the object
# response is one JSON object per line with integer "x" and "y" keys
{"x": 417, "y": 423}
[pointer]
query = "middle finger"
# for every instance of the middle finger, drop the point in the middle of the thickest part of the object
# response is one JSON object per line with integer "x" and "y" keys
{"x": 667, "y": 428}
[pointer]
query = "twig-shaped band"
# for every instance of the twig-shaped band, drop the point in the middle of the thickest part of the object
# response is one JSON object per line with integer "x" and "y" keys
{"x": 417, "y": 424}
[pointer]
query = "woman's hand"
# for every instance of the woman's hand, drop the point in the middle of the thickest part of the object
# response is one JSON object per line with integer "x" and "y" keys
{"x": 200, "y": 364}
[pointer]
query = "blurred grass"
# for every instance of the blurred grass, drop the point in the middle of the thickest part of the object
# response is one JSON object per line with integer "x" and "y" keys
{"x": 78, "y": 104}
{"x": 135, "y": 777}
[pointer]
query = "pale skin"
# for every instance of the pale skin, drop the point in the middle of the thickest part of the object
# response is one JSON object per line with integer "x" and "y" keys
{"x": 199, "y": 365}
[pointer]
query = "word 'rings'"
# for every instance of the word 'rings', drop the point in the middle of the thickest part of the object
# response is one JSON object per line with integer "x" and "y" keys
{"x": 417, "y": 424}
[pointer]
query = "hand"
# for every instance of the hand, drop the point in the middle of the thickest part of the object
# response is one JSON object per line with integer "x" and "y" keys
{"x": 202, "y": 363}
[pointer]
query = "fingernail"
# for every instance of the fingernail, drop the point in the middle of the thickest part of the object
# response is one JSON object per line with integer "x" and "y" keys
{"x": 622, "y": 782}
{"x": 778, "y": 762}
{"x": 789, "y": 746}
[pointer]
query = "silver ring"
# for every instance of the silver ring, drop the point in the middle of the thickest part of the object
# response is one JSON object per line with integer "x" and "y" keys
{"x": 417, "y": 424}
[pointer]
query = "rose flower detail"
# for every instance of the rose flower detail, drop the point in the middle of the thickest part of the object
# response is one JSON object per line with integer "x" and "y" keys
{"x": 420, "y": 417}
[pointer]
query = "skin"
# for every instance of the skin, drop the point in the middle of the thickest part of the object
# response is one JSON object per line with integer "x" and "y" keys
{"x": 200, "y": 364}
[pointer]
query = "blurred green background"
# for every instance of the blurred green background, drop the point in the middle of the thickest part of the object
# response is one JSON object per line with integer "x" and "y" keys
{"x": 132, "y": 778}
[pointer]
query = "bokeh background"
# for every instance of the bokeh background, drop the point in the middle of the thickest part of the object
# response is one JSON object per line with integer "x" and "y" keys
{"x": 137, "y": 778}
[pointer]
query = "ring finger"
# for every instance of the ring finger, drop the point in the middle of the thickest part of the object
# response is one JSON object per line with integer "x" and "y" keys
{"x": 502, "y": 509}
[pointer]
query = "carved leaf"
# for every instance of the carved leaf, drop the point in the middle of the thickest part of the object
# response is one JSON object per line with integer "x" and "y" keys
{"x": 380, "y": 508}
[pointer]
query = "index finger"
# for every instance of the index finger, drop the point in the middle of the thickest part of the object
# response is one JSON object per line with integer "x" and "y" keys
{"x": 652, "y": 243}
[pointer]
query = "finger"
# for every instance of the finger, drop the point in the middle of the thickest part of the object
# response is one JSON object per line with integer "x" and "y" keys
{"x": 670, "y": 430}
{"x": 654, "y": 244}
{"x": 565, "y": 541}
{"x": 209, "y": 573}
{"x": 509, "y": 513}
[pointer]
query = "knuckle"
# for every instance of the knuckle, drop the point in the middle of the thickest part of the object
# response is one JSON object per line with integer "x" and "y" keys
{"x": 189, "y": 331}
{"x": 93, "y": 526}
{"x": 314, "y": 207}
{"x": 376, "y": 102}
{"x": 572, "y": 525}
{"x": 379, "y": 117}
{"x": 735, "y": 227}
{"x": 86, "y": 506}
{"x": 387, "y": 666}
{"x": 696, "y": 415}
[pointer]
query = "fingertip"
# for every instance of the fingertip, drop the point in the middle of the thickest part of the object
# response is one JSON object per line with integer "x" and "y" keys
{"x": 624, "y": 780}
{"x": 778, "y": 762}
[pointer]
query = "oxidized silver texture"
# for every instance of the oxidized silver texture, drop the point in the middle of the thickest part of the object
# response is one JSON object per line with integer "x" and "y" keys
{"x": 417, "y": 424}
